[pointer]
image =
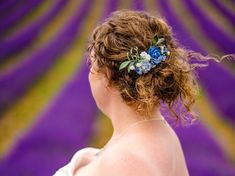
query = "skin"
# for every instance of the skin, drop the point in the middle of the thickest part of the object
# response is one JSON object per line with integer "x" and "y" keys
{"x": 151, "y": 148}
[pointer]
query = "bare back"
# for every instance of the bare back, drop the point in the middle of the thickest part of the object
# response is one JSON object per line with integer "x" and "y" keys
{"x": 158, "y": 147}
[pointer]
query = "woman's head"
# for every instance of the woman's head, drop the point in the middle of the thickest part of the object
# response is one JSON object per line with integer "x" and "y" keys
{"x": 170, "y": 80}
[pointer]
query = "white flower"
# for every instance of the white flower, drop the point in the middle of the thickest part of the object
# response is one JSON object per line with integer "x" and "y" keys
{"x": 138, "y": 64}
{"x": 162, "y": 49}
{"x": 145, "y": 55}
{"x": 132, "y": 67}
{"x": 148, "y": 58}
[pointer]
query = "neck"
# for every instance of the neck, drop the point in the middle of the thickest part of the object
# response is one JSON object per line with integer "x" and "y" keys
{"x": 124, "y": 116}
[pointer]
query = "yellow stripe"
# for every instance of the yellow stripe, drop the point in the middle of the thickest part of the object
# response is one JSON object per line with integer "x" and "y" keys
{"x": 20, "y": 117}
{"x": 215, "y": 16}
{"x": 222, "y": 129}
{"x": 229, "y": 5}
{"x": 30, "y": 18}
{"x": 190, "y": 24}
{"x": 124, "y": 4}
{"x": 46, "y": 34}
{"x": 102, "y": 131}
{"x": 152, "y": 7}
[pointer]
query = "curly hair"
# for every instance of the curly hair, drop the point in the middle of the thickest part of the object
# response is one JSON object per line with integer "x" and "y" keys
{"x": 169, "y": 81}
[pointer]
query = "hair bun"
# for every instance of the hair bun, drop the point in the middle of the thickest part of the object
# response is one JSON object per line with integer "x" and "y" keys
{"x": 171, "y": 79}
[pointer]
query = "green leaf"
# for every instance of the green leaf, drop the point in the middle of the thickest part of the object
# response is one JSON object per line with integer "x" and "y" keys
{"x": 124, "y": 64}
{"x": 154, "y": 42}
{"x": 128, "y": 69}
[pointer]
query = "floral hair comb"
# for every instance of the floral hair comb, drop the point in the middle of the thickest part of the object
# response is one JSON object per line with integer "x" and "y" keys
{"x": 144, "y": 61}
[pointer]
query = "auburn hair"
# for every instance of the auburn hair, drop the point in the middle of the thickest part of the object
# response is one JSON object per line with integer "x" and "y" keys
{"x": 173, "y": 79}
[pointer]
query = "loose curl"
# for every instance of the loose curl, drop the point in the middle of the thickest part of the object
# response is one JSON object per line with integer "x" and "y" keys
{"x": 171, "y": 80}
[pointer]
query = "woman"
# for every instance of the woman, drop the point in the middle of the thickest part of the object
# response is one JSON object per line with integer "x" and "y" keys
{"x": 135, "y": 65}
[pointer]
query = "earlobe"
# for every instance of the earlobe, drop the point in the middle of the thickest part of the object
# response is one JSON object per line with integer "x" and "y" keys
{"x": 107, "y": 73}
{"x": 106, "y": 87}
{"x": 107, "y": 77}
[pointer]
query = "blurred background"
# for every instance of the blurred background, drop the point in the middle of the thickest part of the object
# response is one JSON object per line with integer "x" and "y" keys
{"x": 47, "y": 112}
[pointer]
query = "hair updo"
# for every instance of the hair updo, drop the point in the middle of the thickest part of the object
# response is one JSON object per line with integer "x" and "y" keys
{"x": 171, "y": 80}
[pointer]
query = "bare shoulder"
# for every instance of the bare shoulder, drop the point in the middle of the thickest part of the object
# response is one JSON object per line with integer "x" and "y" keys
{"x": 124, "y": 162}
{"x": 151, "y": 155}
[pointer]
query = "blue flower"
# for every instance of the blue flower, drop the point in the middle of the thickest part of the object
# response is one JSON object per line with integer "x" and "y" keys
{"x": 162, "y": 58}
{"x": 146, "y": 66}
{"x": 154, "y": 52}
{"x": 155, "y": 61}
{"x": 138, "y": 70}
{"x": 156, "y": 55}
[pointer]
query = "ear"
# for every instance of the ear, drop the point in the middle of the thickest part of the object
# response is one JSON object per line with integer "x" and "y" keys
{"x": 107, "y": 73}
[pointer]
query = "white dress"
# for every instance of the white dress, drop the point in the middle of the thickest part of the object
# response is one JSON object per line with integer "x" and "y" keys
{"x": 68, "y": 169}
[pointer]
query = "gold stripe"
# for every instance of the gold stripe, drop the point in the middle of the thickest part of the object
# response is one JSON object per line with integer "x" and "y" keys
{"x": 47, "y": 34}
{"x": 215, "y": 16}
{"x": 21, "y": 116}
{"x": 30, "y": 17}
{"x": 190, "y": 24}
{"x": 222, "y": 129}
{"x": 229, "y": 5}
